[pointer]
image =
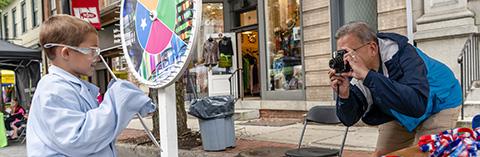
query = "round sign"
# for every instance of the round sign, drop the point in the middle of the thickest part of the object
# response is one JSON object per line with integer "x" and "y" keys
{"x": 157, "y": 37}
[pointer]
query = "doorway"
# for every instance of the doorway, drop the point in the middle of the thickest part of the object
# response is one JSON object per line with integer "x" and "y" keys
{"x": 249, "y": 61}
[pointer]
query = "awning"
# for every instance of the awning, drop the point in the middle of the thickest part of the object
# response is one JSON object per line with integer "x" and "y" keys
{"x": 25, "y": 63}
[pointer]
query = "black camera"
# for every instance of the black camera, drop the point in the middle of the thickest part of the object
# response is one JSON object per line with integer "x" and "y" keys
{"x": 337, "y": 63}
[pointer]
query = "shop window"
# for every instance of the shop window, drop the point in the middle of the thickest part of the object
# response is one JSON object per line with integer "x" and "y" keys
{"x": 284, "y": 50}
{"x": 212, "y": 25}
{"x": 345, "y": 11}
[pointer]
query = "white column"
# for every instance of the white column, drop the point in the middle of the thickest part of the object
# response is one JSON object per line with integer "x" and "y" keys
{"x": 443, "y": 29}
{"x": 168, "y": 121}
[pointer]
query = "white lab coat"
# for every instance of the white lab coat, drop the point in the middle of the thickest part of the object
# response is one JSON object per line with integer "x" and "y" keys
{"x": 66, "y": 120}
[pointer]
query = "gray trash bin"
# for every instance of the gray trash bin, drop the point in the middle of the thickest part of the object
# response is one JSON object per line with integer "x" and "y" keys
{"x": 217, "y": 134}
{"x": 215, "y": 116}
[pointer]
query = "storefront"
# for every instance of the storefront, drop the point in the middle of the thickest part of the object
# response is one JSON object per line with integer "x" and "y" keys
{"x": 255, "y": 44}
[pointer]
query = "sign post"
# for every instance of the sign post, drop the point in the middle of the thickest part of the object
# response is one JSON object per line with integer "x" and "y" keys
{"x": 157, "y": 37}
{"x": 167, "y": 119}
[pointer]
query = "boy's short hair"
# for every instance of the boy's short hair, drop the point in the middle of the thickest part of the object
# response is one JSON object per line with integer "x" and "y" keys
{"x": 64, "y": 29}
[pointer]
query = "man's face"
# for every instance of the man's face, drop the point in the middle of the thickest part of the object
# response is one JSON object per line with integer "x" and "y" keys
{"x": 84, "y": 64}
{"x": 364, "y": 51}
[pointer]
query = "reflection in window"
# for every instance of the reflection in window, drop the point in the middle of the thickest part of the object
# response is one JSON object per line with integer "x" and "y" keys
{"x": 284, "y": 57}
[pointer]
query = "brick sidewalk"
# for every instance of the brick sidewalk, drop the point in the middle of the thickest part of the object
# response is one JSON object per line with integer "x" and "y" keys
{"x": 242, "y": 145}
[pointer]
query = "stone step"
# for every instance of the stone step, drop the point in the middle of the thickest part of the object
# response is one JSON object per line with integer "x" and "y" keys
{"x": 465, "y": 123}
{"x": 243, "y": 115}
{"x": 248, "y": 104}
{"x": 471, "y": 109}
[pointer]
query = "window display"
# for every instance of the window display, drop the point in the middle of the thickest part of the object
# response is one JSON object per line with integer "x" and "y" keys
{"x": 206, "y": 55}
{"x": 284, "y": 51}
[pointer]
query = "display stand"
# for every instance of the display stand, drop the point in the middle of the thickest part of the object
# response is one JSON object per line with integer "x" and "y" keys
{"x": 157, "y": 38}
{"x": 167, "y": 112}
{"x": 218, "y": 83}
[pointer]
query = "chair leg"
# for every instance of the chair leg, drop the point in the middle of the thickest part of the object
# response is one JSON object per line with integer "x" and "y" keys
{"x": 303, "y": 132}
{"x": 22, "y": 135}
{"x": 343, "y": 142}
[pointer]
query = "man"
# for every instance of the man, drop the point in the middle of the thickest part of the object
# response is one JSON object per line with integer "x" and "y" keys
{"x": 395, "y": 85}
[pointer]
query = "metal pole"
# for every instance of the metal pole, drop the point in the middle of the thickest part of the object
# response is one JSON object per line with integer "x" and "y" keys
{"x": 462, "y": 85}
{"x": 149, "y": 133}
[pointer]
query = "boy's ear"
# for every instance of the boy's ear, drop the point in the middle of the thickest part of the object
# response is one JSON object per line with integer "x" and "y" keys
{"x": 64, "y": 53}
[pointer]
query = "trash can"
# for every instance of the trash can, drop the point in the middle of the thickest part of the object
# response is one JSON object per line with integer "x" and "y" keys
{"x": 216, "y": 122}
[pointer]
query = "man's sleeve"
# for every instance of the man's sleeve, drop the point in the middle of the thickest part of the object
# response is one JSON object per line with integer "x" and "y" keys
{"x": 76, "y": 133}
{"x": 350, "y": 110}
{"x": 407, "y": 94}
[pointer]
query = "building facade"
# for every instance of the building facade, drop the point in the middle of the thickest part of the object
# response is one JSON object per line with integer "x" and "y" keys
{"x": 273, "y": 54}
{"x": 284, "y": 27}
{"x": 20, "y": 20}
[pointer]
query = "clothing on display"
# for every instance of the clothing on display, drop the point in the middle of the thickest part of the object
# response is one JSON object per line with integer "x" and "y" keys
{"x": 251, "y": 74}
{"x": 225, "y": 46}
{"x": 226, "y": 52}
{"x": 210, "y": 52}
{"x": 284, "y": 60}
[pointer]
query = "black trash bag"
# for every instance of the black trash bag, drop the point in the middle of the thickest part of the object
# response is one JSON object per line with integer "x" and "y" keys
{"x": 212, "y": 107}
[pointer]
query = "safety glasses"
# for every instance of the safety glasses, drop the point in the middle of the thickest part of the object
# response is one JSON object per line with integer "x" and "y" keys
{"x": 94, "y": 51}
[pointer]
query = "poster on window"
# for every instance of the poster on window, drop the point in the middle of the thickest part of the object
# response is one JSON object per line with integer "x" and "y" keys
{"x": 87, "y": 10}
{"x": 157, "y": 37}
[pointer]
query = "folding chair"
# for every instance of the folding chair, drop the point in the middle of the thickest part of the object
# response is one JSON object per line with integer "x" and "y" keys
{"x": 324, "y": 115}
{"x": 23, "y": 133}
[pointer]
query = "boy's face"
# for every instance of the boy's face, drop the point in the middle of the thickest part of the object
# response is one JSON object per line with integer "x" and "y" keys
{"x": 84, "y": 64}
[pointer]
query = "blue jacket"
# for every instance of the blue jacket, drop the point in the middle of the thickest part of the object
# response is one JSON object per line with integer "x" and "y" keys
{"x": 409, "y": 87}
{"x": 66, "y": 120}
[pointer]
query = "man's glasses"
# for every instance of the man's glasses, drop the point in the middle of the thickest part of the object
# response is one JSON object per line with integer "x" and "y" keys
{"x": 337, "y": 52}
{"x": 361, "y": 46}
{"x": 94, "y": 51}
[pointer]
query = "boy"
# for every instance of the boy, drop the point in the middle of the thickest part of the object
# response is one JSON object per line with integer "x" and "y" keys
{"x": 65, "y": 118}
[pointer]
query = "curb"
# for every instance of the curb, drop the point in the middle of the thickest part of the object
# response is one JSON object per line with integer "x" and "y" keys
{"x": 130, "y": 150}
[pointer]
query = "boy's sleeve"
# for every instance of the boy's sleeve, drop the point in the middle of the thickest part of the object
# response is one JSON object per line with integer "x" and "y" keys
{"x": 76, "y": 133}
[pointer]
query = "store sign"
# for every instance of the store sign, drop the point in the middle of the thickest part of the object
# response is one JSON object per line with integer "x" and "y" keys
{"x": 87, "y": 10}
{"x": 157, "y": 37}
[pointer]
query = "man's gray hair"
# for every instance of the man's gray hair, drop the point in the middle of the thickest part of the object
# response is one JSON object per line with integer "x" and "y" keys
{"x": 359, "y": 29}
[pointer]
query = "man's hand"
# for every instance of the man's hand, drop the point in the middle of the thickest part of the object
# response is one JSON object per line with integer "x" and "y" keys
{"x": 341, "y": 81}
{"x": 359, "y": 68}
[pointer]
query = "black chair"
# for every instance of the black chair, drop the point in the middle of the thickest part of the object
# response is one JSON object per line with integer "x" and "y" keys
{"x": 324, "y": 115}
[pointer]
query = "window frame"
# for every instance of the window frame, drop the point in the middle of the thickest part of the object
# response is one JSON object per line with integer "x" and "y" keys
{"x": 5, "y": 23}
{"x": 34, "y": 13}
{"x": 14, "y": 22}
{"x": 23, "y": 9}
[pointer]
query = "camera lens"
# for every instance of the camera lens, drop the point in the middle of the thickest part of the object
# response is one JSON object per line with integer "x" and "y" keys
{"x": 336, "y": 63}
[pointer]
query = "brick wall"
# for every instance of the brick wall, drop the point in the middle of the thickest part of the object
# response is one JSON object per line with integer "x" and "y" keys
{"x": 316, "y": 22}
{"x": 392, "y": 16}
{"x": 287, "y": 114}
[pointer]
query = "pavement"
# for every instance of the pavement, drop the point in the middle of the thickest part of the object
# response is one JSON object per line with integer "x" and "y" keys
{"x": 14, "y": 149}
{"x": 253, "y": 135}
{"x": 361, "y": 140}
